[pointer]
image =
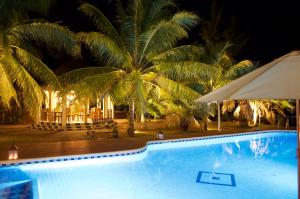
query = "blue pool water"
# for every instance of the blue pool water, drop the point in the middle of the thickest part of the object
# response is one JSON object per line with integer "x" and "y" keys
{"x": 262, "y": 166}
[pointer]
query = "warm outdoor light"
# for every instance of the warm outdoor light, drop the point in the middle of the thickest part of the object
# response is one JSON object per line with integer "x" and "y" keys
{"x": 160, "y": 135}
{"x": 13, "y": 153}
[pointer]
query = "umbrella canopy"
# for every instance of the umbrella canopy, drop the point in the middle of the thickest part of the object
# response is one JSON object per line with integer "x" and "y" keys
{"x": 279, "y": 79}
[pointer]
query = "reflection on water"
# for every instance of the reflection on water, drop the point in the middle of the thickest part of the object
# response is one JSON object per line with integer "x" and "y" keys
{"x": 259, "y": 147}
{"x": 237, "y": 144}
{"x": 217, "y": 164}
{"x": 228, "y": 148}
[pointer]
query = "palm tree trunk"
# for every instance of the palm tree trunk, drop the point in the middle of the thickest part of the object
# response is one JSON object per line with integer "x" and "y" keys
{"x": 130, "y": 129}
{"x": 64, "y": 111}
{"x": 219, "y": 117}
{"x": 143, "y": 121}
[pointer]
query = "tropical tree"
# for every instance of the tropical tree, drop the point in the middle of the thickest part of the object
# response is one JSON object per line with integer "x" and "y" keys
{"x": 139, "y": 56}
{"x": 222, "y": 70}
{"x": 21, "y": 65}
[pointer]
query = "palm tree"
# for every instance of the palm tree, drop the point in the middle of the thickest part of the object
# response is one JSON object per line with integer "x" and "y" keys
{"x": 21, "y": 65}
{"x": 138, "y": 57}
{"x": 222, "y": 69}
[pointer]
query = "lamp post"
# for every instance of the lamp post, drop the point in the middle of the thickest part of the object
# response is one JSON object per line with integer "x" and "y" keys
{"x": 13, "y": 152}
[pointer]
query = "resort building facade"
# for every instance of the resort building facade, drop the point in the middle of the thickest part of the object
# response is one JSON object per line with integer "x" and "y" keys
{"x": 55, "y": 109}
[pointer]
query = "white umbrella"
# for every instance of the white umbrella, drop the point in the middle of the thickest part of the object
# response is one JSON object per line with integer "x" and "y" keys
{"x": 280, "y": 79}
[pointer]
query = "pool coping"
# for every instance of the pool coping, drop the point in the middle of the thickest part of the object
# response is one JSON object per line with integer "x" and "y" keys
{"x": 10, "y": 163}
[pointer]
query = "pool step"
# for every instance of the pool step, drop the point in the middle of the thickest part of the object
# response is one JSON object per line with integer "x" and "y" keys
{"x": 46, "y": 126}
{"x": 16, "y": 184}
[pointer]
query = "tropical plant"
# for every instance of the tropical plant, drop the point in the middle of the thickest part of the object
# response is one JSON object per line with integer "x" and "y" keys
{"x": 140, "y": 59}
{"x": 254, "y": 110}
{"x": 21, "y": 64}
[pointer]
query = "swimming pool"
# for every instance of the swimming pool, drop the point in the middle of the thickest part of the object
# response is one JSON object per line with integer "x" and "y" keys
{"x": 255, "y": 165}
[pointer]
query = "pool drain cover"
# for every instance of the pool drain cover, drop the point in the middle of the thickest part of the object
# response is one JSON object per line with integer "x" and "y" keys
{"x": 224, "y": 179}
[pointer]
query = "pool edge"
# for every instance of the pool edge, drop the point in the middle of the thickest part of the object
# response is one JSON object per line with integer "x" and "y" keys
{"x": 9, "y": 163}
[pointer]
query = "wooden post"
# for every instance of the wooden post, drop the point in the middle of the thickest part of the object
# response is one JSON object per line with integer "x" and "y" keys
{"x": 85, "y": 110}
{"x": 38, "y": 114}
{"x": 112, "y": 109}
{"x": 219, "y": 117}
{"x": 64, "y": 111}
{"x": 105, "y": 107}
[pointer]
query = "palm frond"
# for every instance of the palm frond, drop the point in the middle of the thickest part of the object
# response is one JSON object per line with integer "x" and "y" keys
{"x": 239, "y": 70}
{"x": 28, "y": 46}
{"x": 217, "y": 53}
{"x": 152, "y": 43}
{"x": 22, "y": 79}
{"x": 228, "y": 106}
{"x": 50, "y": 35}
{"x": 93, "y": 86}
{"x": 155, "y": 11}
{"x": 183, "y": 71}
{"x": 122, "y": 91}
{"x": 172, "y": 31}
{"x": 181, "y": 53}
{"x": 131, "y": 27}
{"x": 7, "y": 91}
{"x": 185, "y": 19}
{"x": 77, "y": 75}
{"x": 177, "y": 90}
{"x": 36, "y": 67}
{"x": 104, "y": 48}
{"x": 166, "y": 100}
{"x": 131, "y": 87}
{"x": 101, "y": 22}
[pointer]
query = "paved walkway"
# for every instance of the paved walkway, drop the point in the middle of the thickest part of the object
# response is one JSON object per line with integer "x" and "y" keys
{"x": 40, "y": 148}
{"x": 51, "y": 149}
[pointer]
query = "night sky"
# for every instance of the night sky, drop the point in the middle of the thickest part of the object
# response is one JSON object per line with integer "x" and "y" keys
{"x": 272, "y": 27}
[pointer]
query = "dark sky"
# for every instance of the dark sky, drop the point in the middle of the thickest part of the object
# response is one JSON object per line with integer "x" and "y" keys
{"x": 271, "y": 26}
